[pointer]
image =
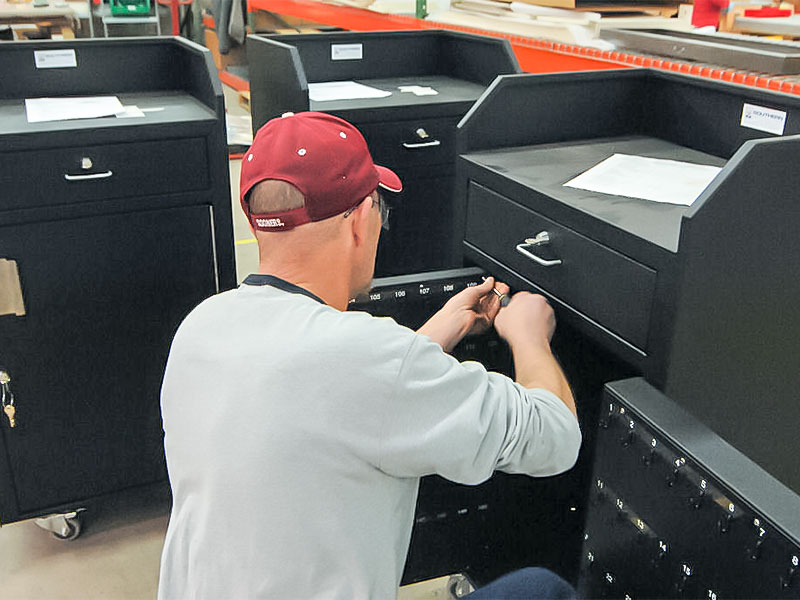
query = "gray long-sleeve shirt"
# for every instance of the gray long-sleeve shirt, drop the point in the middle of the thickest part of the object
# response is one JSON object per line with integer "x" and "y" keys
{"x": 296, "y": 435}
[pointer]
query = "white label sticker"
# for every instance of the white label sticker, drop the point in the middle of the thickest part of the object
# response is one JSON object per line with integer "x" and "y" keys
{"x": 55, "y": 59}
{"x": 763, "y": 119}
{"x": 347, "y": 51}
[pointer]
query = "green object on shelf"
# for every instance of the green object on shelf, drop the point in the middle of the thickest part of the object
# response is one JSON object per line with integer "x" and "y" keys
{"x": 422, "y": 9}
{"x": 133, "y": 8}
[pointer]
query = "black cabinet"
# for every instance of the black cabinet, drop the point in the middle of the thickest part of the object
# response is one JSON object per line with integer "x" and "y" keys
{"x": 411, "y": 132}
{"x": 117, "y": 228}
{"x": 699, "y": 299}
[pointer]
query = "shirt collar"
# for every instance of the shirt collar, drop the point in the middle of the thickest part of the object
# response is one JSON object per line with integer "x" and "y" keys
{"x": 281, "y": 284}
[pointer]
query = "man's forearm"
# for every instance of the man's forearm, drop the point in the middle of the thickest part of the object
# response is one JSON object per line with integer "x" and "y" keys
{"x": 536, "y": 367}
{"x": 443, "y": 331}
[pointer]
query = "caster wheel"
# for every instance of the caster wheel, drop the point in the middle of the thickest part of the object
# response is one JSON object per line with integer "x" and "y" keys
{"x": 459, "y": 586}
{"x": 64, "y": 526}
{"x": 70, "y": 530}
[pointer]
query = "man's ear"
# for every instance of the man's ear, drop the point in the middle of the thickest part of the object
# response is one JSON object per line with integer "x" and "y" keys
{"x": 360, "y": 222}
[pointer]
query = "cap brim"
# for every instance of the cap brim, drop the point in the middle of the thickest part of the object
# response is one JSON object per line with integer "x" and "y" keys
{"x": 388, "y": 179}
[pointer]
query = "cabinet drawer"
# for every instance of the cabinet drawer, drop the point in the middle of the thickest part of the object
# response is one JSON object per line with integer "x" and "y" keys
{"x": 404, "y": 143}
{"x": 599, "y": 282}
{"x": 34, "y": 179}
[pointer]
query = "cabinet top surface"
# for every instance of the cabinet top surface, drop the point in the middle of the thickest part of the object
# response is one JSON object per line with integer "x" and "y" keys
{"x": 160, "y": 108}
{"x": 450, "y": 90}
{"x": 545, "y": 168}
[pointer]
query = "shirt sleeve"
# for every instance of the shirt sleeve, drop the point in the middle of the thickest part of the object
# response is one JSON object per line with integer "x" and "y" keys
{"x": 461, "y": 422}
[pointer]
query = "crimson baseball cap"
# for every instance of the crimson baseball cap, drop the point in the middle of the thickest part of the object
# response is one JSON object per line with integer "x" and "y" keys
{"x": 323, "y": 156}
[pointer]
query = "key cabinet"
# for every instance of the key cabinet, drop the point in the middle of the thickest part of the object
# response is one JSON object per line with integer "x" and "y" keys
{"x": 701, "y": 300}
{"x": 111, "y": 231}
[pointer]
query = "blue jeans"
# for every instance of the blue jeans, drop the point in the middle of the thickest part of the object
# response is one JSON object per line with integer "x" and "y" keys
{"x": 530, "y": 583}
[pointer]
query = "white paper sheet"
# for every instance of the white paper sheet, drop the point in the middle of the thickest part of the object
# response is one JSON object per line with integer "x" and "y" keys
{"x": 343, "y": 90}
{"x": 418, "y": 90}
{"x": 655, "y": 179}
{"x": 62, "y": 109}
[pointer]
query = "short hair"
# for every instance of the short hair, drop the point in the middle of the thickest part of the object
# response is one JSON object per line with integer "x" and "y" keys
{"x": 274, "y": 196}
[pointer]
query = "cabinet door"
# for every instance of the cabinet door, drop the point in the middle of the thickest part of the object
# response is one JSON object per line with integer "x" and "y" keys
{"x": 103, "y": 297}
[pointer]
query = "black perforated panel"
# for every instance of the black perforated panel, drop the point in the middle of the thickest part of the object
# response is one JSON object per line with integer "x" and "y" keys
{"x": 676, "y": 512}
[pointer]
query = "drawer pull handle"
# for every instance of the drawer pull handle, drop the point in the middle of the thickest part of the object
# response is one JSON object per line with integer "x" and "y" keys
{"x": 542, "y": 239}
{"x": 105, "y": 175}
{"x": 413, "y": 145}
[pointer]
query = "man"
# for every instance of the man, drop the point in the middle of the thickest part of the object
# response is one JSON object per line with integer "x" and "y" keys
{"x": 296, "y": 432}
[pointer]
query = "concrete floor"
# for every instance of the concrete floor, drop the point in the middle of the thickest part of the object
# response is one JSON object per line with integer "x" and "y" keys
{"x": 117, "y": 555}
{"x": 115, "y": 558}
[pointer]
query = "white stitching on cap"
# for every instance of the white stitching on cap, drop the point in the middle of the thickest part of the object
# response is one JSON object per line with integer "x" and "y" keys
{"x": 343, "y": 135}
{"x": 302, "y": 152}
{"x": 249, "y": 158}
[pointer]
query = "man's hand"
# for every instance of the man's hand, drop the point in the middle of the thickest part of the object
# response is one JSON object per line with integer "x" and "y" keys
{"x": 471, "y": 311}
{"x": 528, "y": 319}
{"x": 528, "y": 324}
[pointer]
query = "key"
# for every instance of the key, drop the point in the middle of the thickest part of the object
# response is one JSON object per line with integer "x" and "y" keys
{"x": 504, "y": 300}
{"x": 10, "y": 412}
